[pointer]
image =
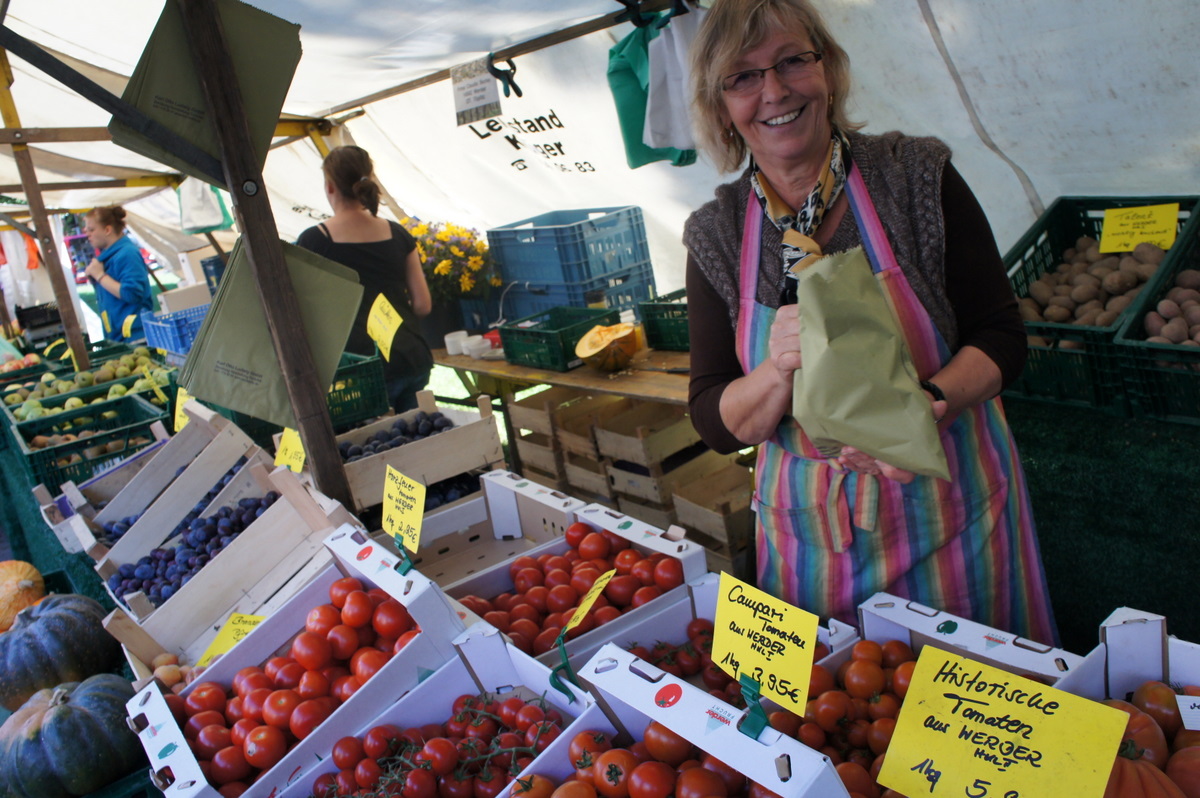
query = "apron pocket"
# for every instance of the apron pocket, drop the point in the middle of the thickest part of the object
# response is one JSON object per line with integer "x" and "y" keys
{"x": 806, "y": 526}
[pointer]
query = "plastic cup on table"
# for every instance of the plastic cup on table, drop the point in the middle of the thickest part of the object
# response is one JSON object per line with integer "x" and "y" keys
{"x": 454, "y": 342}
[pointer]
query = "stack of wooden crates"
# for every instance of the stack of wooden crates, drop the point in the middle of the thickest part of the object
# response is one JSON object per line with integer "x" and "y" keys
{"x": 642, "y": 458}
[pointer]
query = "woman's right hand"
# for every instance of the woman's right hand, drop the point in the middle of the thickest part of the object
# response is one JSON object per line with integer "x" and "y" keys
{"x": 784, "y": 342}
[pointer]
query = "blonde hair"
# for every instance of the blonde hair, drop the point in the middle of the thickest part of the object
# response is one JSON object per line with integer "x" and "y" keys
{"x": 732, "y": 27}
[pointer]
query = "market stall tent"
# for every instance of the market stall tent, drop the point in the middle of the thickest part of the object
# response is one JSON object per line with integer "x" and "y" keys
{"x": 1035, "y": 100}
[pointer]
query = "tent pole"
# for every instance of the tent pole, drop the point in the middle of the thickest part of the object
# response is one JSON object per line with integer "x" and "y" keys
{"x": 244, "y": 180}
{"x": 41, "y": 222}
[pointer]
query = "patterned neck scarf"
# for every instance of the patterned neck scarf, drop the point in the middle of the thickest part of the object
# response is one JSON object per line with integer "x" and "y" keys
{"x": 798, "y": 226}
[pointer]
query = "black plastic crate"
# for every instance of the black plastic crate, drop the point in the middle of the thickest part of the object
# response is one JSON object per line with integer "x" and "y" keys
{"x": 1079, "y": 365}
{"x": 665, "y": 320}
{"x": 547, "y": 340}
{"x": 38, "y": 315}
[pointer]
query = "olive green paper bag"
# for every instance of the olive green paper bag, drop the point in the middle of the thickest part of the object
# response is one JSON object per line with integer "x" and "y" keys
{"x": 858, "y": 385}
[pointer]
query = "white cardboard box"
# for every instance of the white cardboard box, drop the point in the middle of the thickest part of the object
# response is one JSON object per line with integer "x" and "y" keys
{"x": 886, "y": 617}
{"x": 634, "y": 692}
{"x": 1134, "y": 648}
{"x": 174, "y": 768}
{"x": 190, "y": 296}
{"x": 485, "y": 663}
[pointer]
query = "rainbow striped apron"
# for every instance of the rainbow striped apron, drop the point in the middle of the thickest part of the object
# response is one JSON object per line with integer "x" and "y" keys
{"x": 828, "y": 538}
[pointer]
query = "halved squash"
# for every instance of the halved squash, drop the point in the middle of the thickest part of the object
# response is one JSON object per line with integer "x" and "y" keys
{"x": 21, "y": 586}
{"x": 608, "y": 348}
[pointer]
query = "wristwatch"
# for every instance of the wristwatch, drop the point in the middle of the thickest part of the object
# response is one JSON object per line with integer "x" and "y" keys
{"x": 935, "y": 391}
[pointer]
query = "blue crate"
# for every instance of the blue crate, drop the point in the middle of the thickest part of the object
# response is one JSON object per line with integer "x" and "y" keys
{"x": 214, "y": 269}
{"x": 619, "y": 291}
{"x": 570, "y": 246}
{"x": 174, "y": 332}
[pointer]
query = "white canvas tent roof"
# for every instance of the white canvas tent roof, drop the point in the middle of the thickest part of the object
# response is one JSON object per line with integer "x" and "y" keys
{"x": 1036, "y": 99}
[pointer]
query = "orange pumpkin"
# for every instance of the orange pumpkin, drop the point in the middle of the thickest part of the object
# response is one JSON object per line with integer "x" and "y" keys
{"x": 21, "y": 586}
{"x": 608, "y": 348}
{"x": 1137, "y": 778}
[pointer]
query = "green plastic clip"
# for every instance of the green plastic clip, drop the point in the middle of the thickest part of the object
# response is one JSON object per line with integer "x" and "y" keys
{"x": 565, "y": 668}
{"x": 755, "y": 720}
{"x": 406, "y": 564}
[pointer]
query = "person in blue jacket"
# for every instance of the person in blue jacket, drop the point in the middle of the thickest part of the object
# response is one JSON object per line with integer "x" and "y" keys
{"x": 119, "y": 274}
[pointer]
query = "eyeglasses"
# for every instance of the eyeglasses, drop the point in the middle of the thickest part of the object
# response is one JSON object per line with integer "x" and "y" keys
{"x": 751, "y": 80}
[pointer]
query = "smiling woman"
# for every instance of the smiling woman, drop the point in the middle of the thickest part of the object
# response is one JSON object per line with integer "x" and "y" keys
{"x": 835, "y": 525}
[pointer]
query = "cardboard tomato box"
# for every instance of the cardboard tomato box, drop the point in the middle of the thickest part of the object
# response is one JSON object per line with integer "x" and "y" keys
{"x": 666, "y": 618}
{"x": 886, "y": 617}
{"x": 485, "y": 663}
{"x": 633, "y": 692}
{"x": 511, "y": 516}
{"x": 1134, "y": 648}
{"x": 643, "y": 537}
{"x": 173, "y": 765}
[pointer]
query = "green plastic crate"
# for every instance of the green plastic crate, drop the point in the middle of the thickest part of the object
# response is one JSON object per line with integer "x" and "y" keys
{"x": 93, "y": 392}
{"x": 547, "y": 340}
{"x": 1079, "y": 365}
{"x": 359, "y": 391}
{"x": 665, "y": 320}
{"x": 54, "y": 465}
{"x": 1163, "y": 380}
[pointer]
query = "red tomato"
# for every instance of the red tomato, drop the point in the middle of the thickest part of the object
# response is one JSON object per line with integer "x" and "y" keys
{"x": 367, "y": 774}
{"x": 177, "y": 707}
{"x": 879, "y": 736}
{"x": 832, "y": 710}
{"x": 233, "y": 710}
{"x": 735, "y": 782}
{"x": 195, "y": 723}
{"x": 325, "y": 785}
{"x": 288, "y": 677}
{"x": 1157, "y": 700}
{"x": 524, "y": 611}
{"x": 616, "y": 543}
{"x": 344, "y": 687}
{"x": 419, "y": 783}
{"x": 867, "y": 649}
{"x": 612, "y": 771}
{"x": 602, "y": 615}
{"x": 233, "y": 789}
{"x": 366, "y": 662}
{"x": 452, "y": 786}
{"x": 699, "y": 626}
{"x": 210, "y": 739}
{"x": 241, "y": 675}
{"x": 252, "y": 704}
{"x": 381, "y": 741}
{"x": 896, "y": 652}
{"x": 323, "y": 618}
{"x": 594, "y": 546}
{"x": 343, "y": 641}
{"x": 699, "y": 782}
{"x": 441, "y": 754}
{"x": 593, "y": 743}
{"x": 346, "y": 783}
{"x": 643, "y": 570}
{"x": 527, "y": 578}
{"x": 645, "y": 594}
{"x": 273, "y": 665}
{"x": 524, "y": 561}
{"x": 229, "y": 764}
{"x": 527, "y": 716}
{"x": 406, "y": 638}
{"x": 239, "y": 730}
{"x": 545, "y": 639}
{"x": 391, "y": 619}
{"x": 347, "y": 752}
{"x": 277, "y": 711}
{"x": 902, "y": 678}
{"x": 313, "y": 684}
{"x": 357, "y": 609}
{"x": 264, "y": 746}
{"x": 312, "y": 650}
{"x": 204, "y": 697}
{"x": 255, "y": 681}
{"x": 342, "y": 588}
{"x": 561, "y": 598}
{"x": 665, "y": 745}
{"x": 557, "y": 576}
{"x": 583, "y": 579}
{"x": 498, "y": 618}
{"x": 311, "y": 714}
{"x": 625, "y": 559}
{"x": 524, "y": 626}
{"x": 576, "y": 532}
{"x": 620, "y": 590}
{"x": 864, "y": 678}
{"x": 541, "y": 734}
{"x": 668, "y": 573}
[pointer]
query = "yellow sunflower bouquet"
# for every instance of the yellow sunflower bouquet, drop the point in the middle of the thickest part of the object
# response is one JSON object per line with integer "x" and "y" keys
{"x": 456, "y": 259}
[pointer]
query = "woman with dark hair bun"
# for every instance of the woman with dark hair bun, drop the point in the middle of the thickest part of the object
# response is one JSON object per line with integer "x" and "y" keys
{"x": 385, "y": 257}
{"x": 119, "y": 274}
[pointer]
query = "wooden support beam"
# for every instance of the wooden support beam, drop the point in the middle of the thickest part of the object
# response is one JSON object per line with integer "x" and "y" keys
{"x": 145, "y": 181}
{"x": 6, "y": 324}
{"x": 41, "y": 222}
{"x": 43, "y": 135}
{"x": 206, "y": 37}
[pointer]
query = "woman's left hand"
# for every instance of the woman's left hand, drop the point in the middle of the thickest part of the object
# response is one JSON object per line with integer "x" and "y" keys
{"x": 863, "y": 463}
{"x": 95, "y": 269}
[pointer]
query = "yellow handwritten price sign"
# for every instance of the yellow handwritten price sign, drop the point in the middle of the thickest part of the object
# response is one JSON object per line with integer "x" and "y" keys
{"x": 382, "y": 323}
{"x": 403, "y": 508}
{"x": 970, "y": 729}
{"x": 589, "y": 598}
{"x": 767, "y": 639}
{"x": 291, "y": 450}
{"x": 182, "y": 397}
{"x": 1125, "y": 228}
{"x": 237, "y": 627}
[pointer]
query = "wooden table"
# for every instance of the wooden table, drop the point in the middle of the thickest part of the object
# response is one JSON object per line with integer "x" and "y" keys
{"x": 654, "y": 375}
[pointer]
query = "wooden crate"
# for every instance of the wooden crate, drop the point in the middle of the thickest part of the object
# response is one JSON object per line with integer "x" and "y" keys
{"x": 577, "y": 424}
{"x": 661, "y": 481}
{"x": 717, "y": 509}
{"x": 588, "y": 475}
{"x": 257, "y": 573}
{"x": 540, "y": 412}
{"x": 659, "y": 515}
{"x": 646, "y": 434}
{"x": 542, "y": 452}
{"x": 472, "y": 443}
{"x": 556, "y": 482}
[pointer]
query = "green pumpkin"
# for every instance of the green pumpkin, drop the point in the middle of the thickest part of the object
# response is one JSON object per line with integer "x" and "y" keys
{"x": 61, "y": 639}
{"x": 69, "y": 740}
